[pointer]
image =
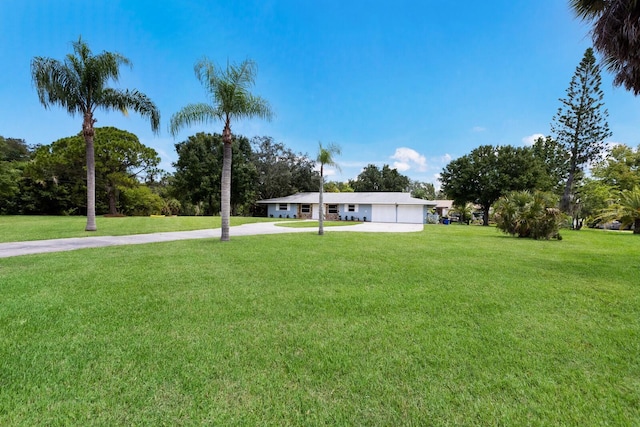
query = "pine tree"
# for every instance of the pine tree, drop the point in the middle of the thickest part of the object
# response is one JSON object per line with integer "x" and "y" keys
{"x": 580, "y": 125}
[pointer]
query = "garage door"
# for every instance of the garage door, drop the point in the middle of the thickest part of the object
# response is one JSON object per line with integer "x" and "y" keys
{"x": 383, "y": 213}
{"x": 410, "y": 214}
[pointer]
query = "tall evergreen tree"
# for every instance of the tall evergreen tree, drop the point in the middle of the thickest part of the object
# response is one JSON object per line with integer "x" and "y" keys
{"x": 580, "y": 125}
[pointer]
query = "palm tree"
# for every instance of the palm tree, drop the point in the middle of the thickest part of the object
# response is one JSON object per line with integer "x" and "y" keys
{"x": 231, "y": 100}
{"x": 79, "y": 84}
{"x": 325, "y": 157}
{"x": 616, "y": 35}
{"x": 626, "y": 210}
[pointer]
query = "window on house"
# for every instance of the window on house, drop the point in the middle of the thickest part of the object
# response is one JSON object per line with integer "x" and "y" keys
{"x": 305, "y": 208}
{"x": 351, "y": 208}
{"x": 283, "y": 207}
{"x": 333, "y": 209}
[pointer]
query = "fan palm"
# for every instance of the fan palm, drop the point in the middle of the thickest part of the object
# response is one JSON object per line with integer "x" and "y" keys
{"x": 626, "y": 210}
{"x": 616, "y": 35}
{"x": 79, "y": 84}
{"x": 325, "y": 157}
{"x": 230, "y": 100}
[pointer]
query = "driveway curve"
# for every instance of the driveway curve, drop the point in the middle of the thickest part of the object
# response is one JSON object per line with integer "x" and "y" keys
{"x": 60, "y": 245}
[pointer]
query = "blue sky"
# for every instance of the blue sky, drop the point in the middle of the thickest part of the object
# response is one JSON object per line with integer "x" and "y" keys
{"x": 412, "y": 84}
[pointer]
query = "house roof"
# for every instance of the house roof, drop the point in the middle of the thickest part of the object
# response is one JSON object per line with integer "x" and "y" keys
{"x": 373, "y": 198}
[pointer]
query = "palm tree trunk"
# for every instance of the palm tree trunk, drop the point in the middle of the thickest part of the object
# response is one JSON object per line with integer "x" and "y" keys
{"x": 636, "y": 226}
{"x": 88, "y": 132}
{"x": 225, "y": 196}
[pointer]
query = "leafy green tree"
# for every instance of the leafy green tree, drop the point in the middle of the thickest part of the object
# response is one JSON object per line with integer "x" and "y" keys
{"x": 489, "y": 172}
{"x": 625, "y": 208}
{"x": 580, "y": 124}
{"x": 422, "y": 190}
{"x": 620, "y": 169}
{"x": 13, "y": 150}
{"x": 281, "y": 172}
{"x": 526, "y": 214}
{"x": 121, "y": 161}
{"x": 326, "y": 157}
{"x": 375, "y": 179}
{"x": 594, "y": 196}
{"x": 79, "y": 84}
{"x": 14, "y": 154}
{"x": 337, "y": 187}
{"x": 198, "y": 173}
{"x": 370, "y": 179}
{"x": 230, "y": 100}
{"x": 616, "y": 36}
{"x": 554, "y": 160}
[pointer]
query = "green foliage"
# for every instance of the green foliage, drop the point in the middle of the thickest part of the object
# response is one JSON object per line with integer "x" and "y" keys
{"x": 281, "y": 172}
{"x": 121, "y": 161}
{"x": 489, "y": 172}
{"x": 624, "y": 208}
{"x": 141, "y": 201}
{"x": 616, "y": 36}
{"x": 422, "y": 190}
{"x": 580, "y": 124}
{"x": 526, "y": 214}
{"x": 464, "y": 212}
{"x": 620, "y": 169}
{"x": 198, "y": 175}
{"x": 554, "y": 160}
{"x": 372, "y": 178}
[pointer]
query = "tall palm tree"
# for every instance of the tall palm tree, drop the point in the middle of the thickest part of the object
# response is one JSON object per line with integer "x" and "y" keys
{"x": 325, "y": 157}
{"x": 626, "y": 210}
{"x": 616, "y": 35}
{"x": 230, "y": 100}
{"x": 79, "y": 84}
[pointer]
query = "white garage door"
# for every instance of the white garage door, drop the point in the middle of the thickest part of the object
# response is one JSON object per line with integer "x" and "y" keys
{"x": 383, "y": 213}
{"x": 410, "y": 214}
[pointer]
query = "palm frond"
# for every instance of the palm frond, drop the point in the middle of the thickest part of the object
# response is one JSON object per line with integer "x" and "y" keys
{"x": 192, "y": 114}
{"x": 131, "y": 99}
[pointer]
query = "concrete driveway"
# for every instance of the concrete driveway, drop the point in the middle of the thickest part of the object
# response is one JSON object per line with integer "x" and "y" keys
{"x": 70, "y": 244}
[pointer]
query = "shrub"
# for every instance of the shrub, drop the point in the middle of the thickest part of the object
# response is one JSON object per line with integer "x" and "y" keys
{"x": 525, "y": 214}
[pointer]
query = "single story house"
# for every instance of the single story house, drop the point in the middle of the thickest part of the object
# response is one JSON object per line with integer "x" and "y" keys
{"x": 374, "y": 207}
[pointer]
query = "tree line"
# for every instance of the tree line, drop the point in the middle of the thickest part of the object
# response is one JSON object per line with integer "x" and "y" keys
{"x": 551, "y": 177}
{"x": 51, "y": 179}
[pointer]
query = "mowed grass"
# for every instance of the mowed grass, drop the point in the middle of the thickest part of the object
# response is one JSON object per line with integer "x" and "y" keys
{"x": 314, "y": 224}
{"x": 24, "y": 228}
{"x": 451, "y": 326}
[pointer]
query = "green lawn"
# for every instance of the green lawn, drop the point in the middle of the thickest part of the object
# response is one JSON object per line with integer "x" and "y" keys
{"x": 454, "y": 325}
{"x": 23, "y": 228}
{"x": 314, "y": 224}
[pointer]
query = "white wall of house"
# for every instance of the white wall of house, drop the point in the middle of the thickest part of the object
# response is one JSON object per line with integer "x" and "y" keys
{"x": 411, "y": 214}
{"x": 383, "y": 213}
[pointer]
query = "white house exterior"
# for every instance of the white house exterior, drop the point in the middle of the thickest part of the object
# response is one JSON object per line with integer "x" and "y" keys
{"x": 374, "y": 207}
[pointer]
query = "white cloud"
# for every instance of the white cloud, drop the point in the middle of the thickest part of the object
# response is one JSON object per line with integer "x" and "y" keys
{"x": 478, "y": 129}
{"x": 407, "y": 157}
{"x": 401, "y": 166}
{"x": 531, "y": 139}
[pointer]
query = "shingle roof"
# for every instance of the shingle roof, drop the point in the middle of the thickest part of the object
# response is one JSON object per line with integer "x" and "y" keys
{"x": 373, "y": 198}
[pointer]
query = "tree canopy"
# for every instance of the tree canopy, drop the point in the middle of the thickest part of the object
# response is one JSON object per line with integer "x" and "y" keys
{"x": 489, "y": 172}
{"x": 372, "y": 178}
